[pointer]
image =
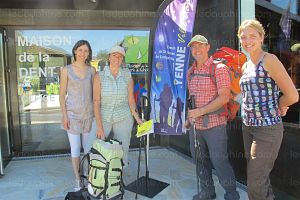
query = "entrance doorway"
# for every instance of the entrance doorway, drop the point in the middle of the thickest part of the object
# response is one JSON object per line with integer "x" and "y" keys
{"x": 39, "y": 56}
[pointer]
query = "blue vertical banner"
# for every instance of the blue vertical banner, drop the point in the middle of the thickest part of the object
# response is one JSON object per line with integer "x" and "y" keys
{"x": 170, "y": 62}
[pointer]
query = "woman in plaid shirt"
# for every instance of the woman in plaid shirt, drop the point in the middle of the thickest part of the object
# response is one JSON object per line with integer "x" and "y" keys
{"x": 114, "y": 104}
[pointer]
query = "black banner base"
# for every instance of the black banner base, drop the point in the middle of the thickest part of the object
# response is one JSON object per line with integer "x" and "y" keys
{"x": 147, "y": 187}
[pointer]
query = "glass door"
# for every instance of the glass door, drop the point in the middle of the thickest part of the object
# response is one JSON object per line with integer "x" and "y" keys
{"x": 5, "y": 151}
{"x": 40, "y": 54}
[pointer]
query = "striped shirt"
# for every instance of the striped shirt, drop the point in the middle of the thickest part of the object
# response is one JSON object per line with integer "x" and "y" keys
{"x": 114, "y": 95}
{"x": 260, "y": 97}
{"x": 205, "y": 90}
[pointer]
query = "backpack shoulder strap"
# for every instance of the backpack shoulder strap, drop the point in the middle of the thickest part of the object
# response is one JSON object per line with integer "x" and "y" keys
{"x": 213, "y": 67}
{"x": 197, "y": 74}
{"x": 212, "y": 75}
{"x": 213, "y": 70}
{"x": 192, "y": 74}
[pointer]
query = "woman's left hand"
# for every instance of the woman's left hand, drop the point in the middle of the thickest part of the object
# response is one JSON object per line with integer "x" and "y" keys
{"x": 139, "y": 121}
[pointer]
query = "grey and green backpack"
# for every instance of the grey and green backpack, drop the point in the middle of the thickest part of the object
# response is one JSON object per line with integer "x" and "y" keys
{"x": 101, "y": 170}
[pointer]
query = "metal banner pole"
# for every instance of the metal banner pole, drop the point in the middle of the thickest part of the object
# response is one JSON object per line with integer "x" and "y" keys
{"x": 145, "y": 185}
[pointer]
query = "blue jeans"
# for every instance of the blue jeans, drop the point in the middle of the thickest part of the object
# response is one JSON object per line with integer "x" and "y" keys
{"x": 122, "y": 132}
{"x": 213, "y": 153}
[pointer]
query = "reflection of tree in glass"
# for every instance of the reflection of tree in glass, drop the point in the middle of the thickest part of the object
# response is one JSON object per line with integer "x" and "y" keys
{"x": 35, "y": 83}
{"x": 102, "y": 57}
{"x": 102, "y": 54}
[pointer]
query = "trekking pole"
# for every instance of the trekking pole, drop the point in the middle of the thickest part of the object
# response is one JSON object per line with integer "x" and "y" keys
{"x": 140, "y": 149}
{"x": 139, "y": 164}
{"x": 197, "y": 154}
{"x": 192, "y": 105}
{"x": 146, "y": 160}
{"x": 144, "y": 116}
{"x": 138, "y": 172}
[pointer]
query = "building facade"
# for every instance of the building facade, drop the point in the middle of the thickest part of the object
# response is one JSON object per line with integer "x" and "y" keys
{"x": 36, "y": 38}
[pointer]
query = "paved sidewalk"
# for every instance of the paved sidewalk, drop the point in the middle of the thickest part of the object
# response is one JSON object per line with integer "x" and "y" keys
{"x": 50, "y": 178}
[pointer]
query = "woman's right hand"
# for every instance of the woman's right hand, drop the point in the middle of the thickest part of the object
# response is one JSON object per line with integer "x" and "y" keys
{"x": 100, "y": 134}
{"x": 66, "y": 123}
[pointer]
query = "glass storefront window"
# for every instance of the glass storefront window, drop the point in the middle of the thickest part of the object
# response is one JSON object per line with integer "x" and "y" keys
{"x": 40, "y": 54}
{"x": 285, "y": 48}
{"x": 284, "y": 4}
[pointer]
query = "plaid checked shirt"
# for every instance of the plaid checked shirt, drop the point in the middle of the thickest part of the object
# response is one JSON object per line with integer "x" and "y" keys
{"x": 205, "y": 90}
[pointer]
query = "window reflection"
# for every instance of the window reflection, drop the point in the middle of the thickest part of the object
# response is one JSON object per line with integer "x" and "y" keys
{"x": 40, "y": 54}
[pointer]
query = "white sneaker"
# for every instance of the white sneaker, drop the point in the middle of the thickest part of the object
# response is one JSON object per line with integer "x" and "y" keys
{"x": 77, "y": 186}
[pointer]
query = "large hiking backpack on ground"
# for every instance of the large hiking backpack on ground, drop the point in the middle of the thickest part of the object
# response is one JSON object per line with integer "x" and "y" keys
{"x": 234, "y": 61}
{"x": 101, "y": 170}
